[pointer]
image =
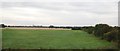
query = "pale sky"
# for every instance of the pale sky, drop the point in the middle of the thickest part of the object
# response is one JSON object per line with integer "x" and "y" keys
{"x": 59, "y": 12}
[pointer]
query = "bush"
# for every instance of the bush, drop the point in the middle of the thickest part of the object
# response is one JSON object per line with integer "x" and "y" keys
{"x": 89, "y": 29}
{"x": 101, "y": 29}
{"x": 112, "y": 35}
{"x": 106, "y": 32}
{"x": 118, "y": 37}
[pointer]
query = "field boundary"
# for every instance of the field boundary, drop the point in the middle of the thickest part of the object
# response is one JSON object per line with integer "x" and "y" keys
{"x": 41, "y": 28}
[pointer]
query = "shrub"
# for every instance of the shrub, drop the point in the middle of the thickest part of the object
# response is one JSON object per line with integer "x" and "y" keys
{"x": 101, "y": 29}
{"x": 88, "y": 29}
{"x": 112, "y": 35}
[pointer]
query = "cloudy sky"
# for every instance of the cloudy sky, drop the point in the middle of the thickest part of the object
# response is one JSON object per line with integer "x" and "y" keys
{"x": 59, "y": 13}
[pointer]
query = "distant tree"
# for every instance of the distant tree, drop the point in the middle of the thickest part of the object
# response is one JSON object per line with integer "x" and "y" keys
{"x": 2, "y": 26}
{"x": 100, "y": 29}
{"x": 76, "y": 28}
{"x": 51, "y": 26}
{"x": 8, "y": 26}
{"x": 41, "y": 26}
{"x": 88, "y": 29}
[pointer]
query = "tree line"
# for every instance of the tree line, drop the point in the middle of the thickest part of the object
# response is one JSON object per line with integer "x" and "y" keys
{"x": 105, "y": 32}
{"x": 51, "y": 26}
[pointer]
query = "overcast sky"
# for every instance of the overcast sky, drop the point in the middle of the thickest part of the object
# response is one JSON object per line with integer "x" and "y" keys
{"x": 60, "y": 13}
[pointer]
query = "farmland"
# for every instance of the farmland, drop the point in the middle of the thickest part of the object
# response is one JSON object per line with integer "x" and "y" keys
{"x": 51, "y": 39}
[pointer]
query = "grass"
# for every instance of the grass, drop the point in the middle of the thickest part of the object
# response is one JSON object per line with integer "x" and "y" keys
{"x": 51, "y": 39}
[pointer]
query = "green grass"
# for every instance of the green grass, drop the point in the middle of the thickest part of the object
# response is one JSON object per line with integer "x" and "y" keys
{"x": 51, "y": 39}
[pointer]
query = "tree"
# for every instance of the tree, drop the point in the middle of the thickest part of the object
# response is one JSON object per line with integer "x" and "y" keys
{"x": 51, "y": 26}
{"x": 100, "y": 29}
{"x": 112, "y": 35}
{"x": 76, "y": 28}
{"x": 88, "y": 29}
{"x": 2, "y": 25}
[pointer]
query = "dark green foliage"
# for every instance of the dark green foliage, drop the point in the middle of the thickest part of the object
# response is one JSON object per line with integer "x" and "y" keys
{"x": 118, "y": 37}
{"x": 76, "y": 28}
{"x": 112, "y": 35}
{"x": 89, "y": 29}
{"x": 101, "y": 29}
{"x": 105, "y": 32}
{"x": 51, "y": 26}
{"x": 2, "y": 25}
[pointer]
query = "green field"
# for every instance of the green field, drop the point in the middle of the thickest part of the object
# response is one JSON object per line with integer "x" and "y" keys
{"x": 51, "y": 39}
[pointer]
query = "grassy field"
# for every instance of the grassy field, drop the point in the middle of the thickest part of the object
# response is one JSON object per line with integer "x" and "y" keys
{"x": 51, "y": 39}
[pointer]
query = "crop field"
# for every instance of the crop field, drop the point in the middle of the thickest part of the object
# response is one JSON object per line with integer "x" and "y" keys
{"x": 51, "y": 39}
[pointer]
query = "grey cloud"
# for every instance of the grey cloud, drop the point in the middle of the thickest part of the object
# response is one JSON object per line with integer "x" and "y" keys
{"x": 59, "y": 0}
{"x": 71, "y": 13}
